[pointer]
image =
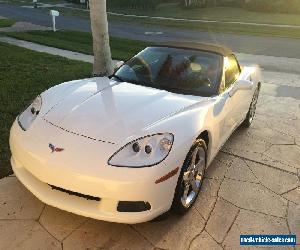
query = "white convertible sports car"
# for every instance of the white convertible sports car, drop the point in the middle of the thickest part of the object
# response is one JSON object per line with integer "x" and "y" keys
{"x": 129, "y": 147}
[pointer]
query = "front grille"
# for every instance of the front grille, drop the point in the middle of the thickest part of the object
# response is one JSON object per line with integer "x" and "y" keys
{"x": 88, "y": 197}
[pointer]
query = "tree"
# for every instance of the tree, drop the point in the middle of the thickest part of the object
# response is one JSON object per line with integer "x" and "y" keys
{"x": 103, "y": 64}
{"x": 187, "y": 3}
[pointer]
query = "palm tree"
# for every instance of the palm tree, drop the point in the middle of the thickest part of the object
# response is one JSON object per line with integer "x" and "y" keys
{"x": 103, "y": 64}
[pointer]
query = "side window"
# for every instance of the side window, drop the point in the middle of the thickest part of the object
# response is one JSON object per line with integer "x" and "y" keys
{"x": 232, "y": 71}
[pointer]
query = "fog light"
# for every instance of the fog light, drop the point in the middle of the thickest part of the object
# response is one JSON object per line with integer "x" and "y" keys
{"x": 133, "y": 206}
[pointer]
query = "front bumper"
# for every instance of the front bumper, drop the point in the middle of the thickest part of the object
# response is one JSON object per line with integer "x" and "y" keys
{"x": 80, "y": 169}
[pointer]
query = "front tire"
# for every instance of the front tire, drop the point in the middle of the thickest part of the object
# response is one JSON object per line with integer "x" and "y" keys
{"x": 252, "y": 109}
{"x": 191, "y": 178}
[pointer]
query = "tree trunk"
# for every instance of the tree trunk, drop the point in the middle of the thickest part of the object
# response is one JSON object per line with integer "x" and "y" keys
{"x": 103, "y": 64}
{"x": 187, "y": 3}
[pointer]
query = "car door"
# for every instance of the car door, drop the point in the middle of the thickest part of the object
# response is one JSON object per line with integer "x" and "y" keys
{"x": 231, "y": 103}
{"x": 240, "y": 97}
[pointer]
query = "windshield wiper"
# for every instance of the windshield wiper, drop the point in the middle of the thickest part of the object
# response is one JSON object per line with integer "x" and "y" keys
{"x": 170, "y": 89}
{"x": 178, "y": 90}
{"x": 133, "y": 81}
{"x": 126, "y": 80}
{"x": 118, "y": 77}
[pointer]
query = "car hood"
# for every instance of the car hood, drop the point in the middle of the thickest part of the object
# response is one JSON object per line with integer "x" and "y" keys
{"x": 106, "y": 110}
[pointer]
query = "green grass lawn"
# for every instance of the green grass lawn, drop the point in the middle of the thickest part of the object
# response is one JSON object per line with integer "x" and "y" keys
{"x": 122, "y": 49}
{"x": 6, "y": 22}
{"x": 23, "y": 75}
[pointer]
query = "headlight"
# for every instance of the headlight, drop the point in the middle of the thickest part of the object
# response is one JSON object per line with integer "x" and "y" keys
{"x": 143, "y": 152}
{"x": 26, "y": 118}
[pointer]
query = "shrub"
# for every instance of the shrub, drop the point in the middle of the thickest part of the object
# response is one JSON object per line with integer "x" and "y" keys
{"x": 74, "y": 1}
{"x": 275, "y": 6}
{"x": 134, "y": 4}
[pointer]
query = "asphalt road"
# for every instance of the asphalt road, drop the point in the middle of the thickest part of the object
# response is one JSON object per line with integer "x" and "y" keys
{"x": 257, "y": 45}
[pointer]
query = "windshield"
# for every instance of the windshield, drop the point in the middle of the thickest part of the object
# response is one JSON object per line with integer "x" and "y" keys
{"x": 182, "y": 71}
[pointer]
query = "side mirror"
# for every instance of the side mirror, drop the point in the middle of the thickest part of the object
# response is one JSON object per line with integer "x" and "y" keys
{"x": 241, "y": 85}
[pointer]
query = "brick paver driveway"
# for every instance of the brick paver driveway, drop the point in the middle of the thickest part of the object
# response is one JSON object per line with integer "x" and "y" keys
{"x": 252, "y": 187}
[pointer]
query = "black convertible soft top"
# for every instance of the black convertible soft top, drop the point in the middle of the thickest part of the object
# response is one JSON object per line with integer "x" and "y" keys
{"x": 214, "y": 48}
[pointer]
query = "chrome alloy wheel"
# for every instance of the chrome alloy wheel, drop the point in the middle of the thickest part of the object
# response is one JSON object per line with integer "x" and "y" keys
{"x": 193, "y": 177}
